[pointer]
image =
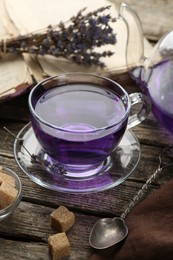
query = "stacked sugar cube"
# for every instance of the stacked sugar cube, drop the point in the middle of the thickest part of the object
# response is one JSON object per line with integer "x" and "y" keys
{"x": 62, "y": 220}
{"x": 8, "y": 192}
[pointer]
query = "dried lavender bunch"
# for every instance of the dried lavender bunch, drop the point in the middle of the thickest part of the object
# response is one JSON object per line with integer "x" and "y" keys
{"x": 75, "y": 40}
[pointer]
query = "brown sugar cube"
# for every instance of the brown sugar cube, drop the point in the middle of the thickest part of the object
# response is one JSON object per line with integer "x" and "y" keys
{"x": 7, "y": 178}
{"x": 7, "y": 194}
{"x": 59, "y": 246}
{"x": 62, "y": 219}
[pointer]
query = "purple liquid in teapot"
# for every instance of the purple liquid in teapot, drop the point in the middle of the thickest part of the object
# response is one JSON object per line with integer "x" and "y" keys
{"x": 157, "y": 83}
{"x": 73, "y": 112}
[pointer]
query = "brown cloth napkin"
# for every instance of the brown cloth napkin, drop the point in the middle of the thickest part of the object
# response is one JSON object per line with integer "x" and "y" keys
{"x": 150, "y": 226}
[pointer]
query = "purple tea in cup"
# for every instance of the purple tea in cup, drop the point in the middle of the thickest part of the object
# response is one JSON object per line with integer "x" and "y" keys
{"x": 79, "y": 119}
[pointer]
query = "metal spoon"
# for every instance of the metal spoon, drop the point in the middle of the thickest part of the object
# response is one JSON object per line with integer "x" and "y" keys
{"x": 107, "y": 232}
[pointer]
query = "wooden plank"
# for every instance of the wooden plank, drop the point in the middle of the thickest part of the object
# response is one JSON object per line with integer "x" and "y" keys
{"x": 13, "y": 250}
{"x": 30, "y": 234}
{"x": 36, "y": 229}
{"x": 18, "y": 250}
{"x": 94, "y": 203}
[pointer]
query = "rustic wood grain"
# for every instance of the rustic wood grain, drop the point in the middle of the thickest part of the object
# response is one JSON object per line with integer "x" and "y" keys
{"x": 24, "y": 234}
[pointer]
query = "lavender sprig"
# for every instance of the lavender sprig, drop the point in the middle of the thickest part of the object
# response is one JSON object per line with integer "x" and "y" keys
{"x": 75, "y": 40}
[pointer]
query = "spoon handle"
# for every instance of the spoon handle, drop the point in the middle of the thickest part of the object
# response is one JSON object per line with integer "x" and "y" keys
{"x": 140, "y": 193}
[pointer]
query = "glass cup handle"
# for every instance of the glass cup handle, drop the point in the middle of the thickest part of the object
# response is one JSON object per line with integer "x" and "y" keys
{"x": 140, "y": 116}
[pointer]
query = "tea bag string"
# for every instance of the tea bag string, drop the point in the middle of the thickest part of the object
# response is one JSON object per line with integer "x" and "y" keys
{"x": 144, "y": 187}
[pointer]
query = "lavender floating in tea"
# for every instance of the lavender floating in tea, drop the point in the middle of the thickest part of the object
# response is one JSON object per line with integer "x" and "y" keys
{"x": 74, "y": 40}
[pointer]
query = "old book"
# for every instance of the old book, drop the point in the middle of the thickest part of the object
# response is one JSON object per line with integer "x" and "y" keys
{"x": 15, "y": 75}
{"x": 30, "y": 16}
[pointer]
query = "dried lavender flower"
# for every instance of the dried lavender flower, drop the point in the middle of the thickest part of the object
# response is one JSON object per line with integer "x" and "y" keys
{"x": 75, "y": 40}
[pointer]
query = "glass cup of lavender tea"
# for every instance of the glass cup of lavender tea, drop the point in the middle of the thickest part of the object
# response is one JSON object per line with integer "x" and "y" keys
{"x": 79, "y": 119}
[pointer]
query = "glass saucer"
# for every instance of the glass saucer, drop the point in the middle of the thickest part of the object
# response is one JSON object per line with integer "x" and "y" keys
{"x": 122, "y": 163}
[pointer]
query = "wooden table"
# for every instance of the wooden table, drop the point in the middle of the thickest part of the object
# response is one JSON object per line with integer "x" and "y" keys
{"x": 24, "y": 234}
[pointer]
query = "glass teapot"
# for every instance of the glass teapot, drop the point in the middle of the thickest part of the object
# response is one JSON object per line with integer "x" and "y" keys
{"x": 154, "y": 74}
